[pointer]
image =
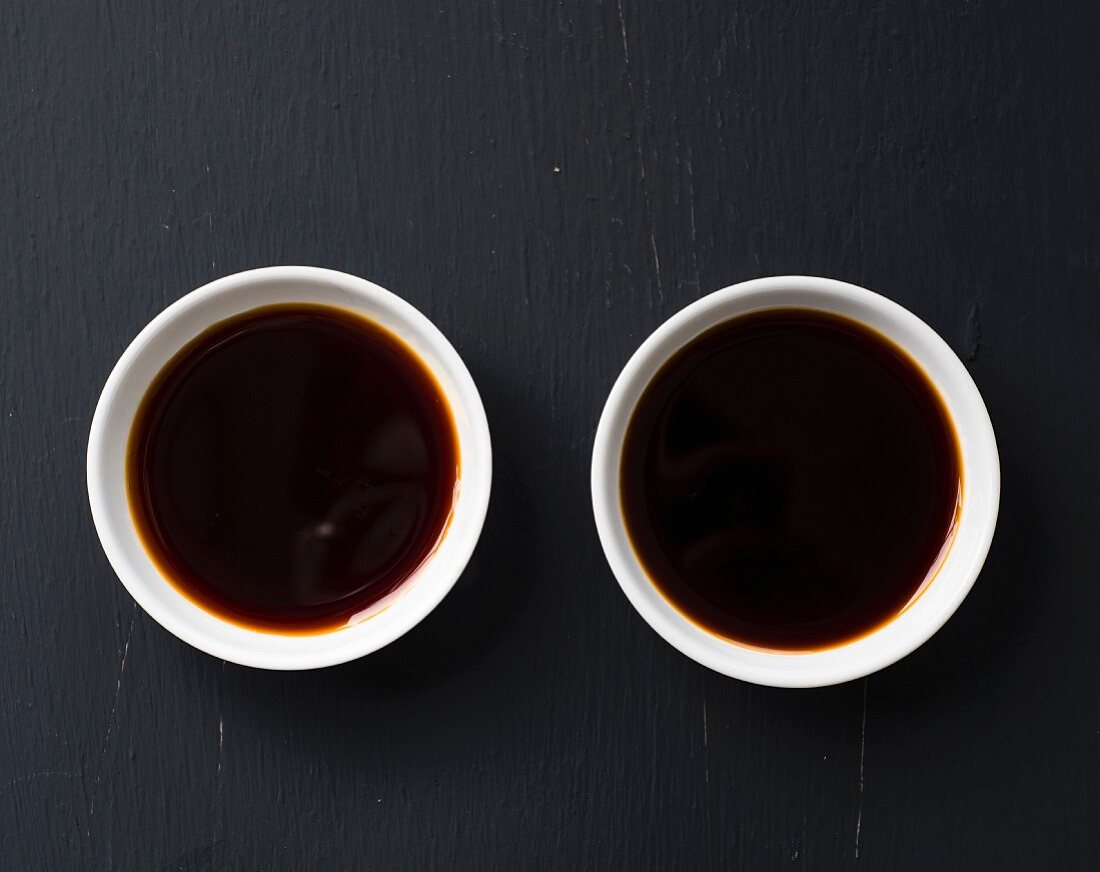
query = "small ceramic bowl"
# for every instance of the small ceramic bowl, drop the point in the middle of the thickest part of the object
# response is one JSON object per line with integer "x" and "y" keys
{"x": 152, "y": 349}
{"x": 980, "y": 473}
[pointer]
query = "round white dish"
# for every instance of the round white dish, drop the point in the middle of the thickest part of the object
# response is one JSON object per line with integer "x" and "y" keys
{"x": 980, "y": 474}
{"x": 155, "y": 346}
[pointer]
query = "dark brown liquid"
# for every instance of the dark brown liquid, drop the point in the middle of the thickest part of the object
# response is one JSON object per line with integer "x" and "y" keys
{"x": 790, "y": 480}
{"x": 291, "y": 467}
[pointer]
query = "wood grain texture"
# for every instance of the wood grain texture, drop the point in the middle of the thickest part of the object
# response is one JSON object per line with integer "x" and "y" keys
{"x": 548, "y": 182}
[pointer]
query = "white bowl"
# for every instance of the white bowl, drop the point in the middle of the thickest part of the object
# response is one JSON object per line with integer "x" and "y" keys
{"x": 158, "y": 342}
{"x": 980, "y": 472}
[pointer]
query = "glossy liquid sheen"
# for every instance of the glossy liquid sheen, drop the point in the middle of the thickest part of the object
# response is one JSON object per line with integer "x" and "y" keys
{"x": 790, "y": 480}
{"x": 291, "y": 467}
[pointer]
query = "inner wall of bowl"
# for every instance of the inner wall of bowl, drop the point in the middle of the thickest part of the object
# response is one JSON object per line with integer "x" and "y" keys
{"x": 979, "y": 472}
{"x": 152, "y": 350}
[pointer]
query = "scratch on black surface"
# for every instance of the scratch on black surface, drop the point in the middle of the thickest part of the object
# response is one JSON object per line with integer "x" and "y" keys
{"x": 862, "y": 756}
{"x": 31, "y": 776}
{"x": 801, "y": 842}
{"x": 638, "y": 150}
{"x": 706, "y": 762}
{"x": 691, "y": 214}
{"x": 218, "y": 777}
{"x": 221, "y": 742}
{"x": 107, "y": 735}
{"x": 118, "y": 693}
{"x": 973, "y": 331}
{"x": 218, "y": 783}
{"x": 656, "y": 261}
{"x": 626, "y": 58}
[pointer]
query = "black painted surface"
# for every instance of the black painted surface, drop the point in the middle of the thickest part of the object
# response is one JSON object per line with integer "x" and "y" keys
{"x": 548, "y": 182}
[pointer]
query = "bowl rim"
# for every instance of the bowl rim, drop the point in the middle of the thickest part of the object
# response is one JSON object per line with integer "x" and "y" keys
{"x": 203, "y": 629}
{"x": 955, "y": 576}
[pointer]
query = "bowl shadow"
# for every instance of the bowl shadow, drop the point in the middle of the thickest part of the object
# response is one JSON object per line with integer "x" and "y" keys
{"x": 1003, "y": 605}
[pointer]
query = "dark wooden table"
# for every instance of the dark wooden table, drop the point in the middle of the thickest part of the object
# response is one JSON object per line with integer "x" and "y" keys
{"x": 548, "y": 181}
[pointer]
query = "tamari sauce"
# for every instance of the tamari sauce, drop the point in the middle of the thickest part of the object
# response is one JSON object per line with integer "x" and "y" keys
{"x": 790, "y": 480}
{"x": 291, "y": 467}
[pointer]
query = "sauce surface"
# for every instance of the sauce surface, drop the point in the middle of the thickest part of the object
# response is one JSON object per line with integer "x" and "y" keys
{"x": 790, "y": 480}
{"x": 291, "y": 467}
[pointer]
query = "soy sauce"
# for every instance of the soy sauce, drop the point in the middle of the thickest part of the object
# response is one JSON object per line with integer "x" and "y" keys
{"x": 790, "y": 480}
{"x": 292, "y": 467}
